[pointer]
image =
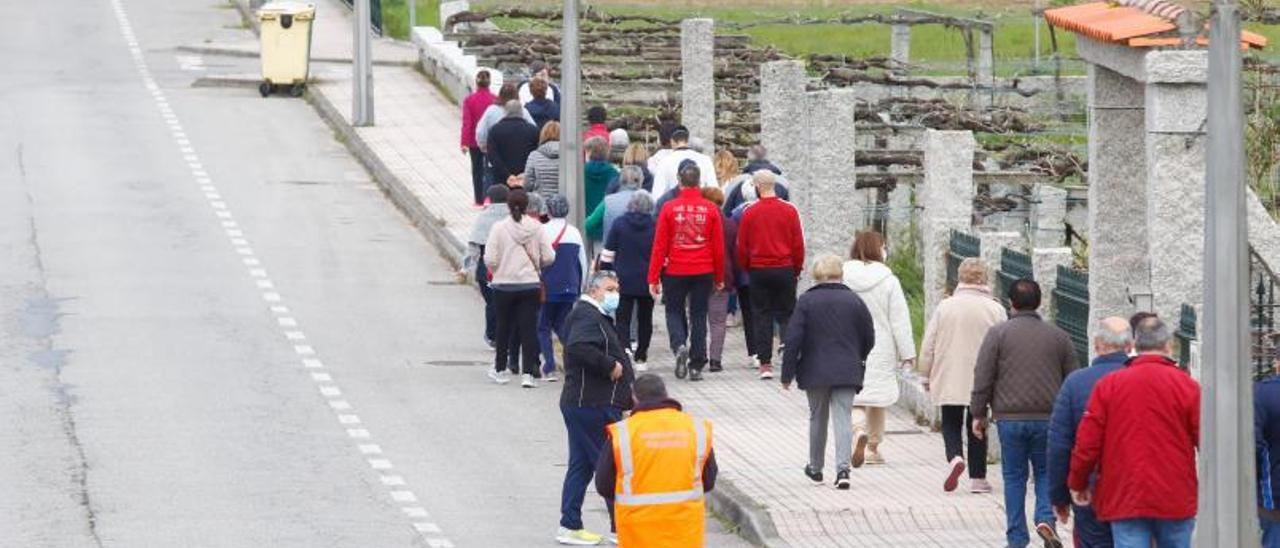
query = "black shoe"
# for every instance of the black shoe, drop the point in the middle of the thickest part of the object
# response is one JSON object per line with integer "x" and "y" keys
{"x": 682, "y": 362}
{"x": 842, "y": 480}
{"x": 814, "y": 475}
{"x": 715, "y": 366}
{"x": 695, "y": 375}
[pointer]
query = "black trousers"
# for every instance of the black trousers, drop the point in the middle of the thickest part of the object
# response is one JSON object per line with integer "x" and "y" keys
{"x": 748, "y": 318}
{"x": 955, "y": 422}
{"x": 517, "y": 313}
{"x": 688, "y": 326}
{"x": 643, "y": 307}
{"x": 477, "y": 175}
{"x": 773, "y": 298}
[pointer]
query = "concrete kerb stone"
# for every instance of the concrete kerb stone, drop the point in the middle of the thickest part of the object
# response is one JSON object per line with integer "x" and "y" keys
{"x": 427, "y": 223}
{"x": 751, "y": 519}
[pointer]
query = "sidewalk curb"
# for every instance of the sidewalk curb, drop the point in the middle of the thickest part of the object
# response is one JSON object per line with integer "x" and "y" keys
{"x": 752, "y": 519}
{"x": 430, "y": 226}
{"x": 247, "y": 54}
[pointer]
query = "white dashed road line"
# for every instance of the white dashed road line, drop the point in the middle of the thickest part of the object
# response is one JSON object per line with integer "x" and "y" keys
{"x": 430, "y": 532}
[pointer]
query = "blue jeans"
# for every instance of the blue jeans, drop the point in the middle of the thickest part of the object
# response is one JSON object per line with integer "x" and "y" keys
{"x": 551, "y": 318}
{"x": 586, "y": 442}
{"x": 1089, "y": 532}
{"x": 1270, "y": 532}
{"x": 1139, "y": 533}
{"x": 1023, "y": 442}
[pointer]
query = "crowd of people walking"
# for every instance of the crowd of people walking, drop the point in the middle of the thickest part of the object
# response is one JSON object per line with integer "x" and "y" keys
{"x": 1111, "y": 446}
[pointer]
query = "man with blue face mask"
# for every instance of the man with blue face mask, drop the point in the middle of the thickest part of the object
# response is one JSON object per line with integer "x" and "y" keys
{"x": 597, "y": 389}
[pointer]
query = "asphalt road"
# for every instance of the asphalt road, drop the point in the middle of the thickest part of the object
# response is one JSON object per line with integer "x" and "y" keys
{"x": 201, "y": 292}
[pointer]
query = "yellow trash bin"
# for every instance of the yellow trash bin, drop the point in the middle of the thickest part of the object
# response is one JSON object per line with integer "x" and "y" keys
{"x": 285, "y": 29}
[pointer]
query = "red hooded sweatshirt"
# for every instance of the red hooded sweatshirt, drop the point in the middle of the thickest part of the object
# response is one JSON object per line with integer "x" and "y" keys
{"x": 1140, "y": 431}
{"x": 689, "y": 238}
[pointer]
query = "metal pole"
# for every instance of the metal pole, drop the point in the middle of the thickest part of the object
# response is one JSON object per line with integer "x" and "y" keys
{"x": 1037, "y": 15}
{"x": 571, "y": 115}
{"x": 413, "y": 16}
{"x": 1228, "y": 506}
{"x": 362, "y": 67}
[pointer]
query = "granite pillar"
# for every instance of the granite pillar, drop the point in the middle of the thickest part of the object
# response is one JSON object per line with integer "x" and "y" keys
{"x": 782, "y": 105}
{"x": 900, "y": 47}
{"x": 1044, "y": 267}
{"x": 1048, "y": 216}
{"x": 829, "y": 205}
{"x": 993, "y": 242}
{"x": 986, "y": 59}
{"x": 697, "y": 78}
{"x": 946, "y": 200}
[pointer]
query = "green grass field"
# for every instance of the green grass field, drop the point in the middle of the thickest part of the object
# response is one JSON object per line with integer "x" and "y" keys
{"x": 395, "y": 16}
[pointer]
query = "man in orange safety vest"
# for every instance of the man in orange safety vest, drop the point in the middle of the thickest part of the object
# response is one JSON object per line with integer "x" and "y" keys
{"x": 658, "y": 470}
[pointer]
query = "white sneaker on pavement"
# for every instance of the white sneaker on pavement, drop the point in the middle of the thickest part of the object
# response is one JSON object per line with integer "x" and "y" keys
{"x": 579, "y": 537}
{"x": 641, "y": 367}
{"x": 527, "y": 381}
{"x": 499, "y": 377}
{"x": 550, "y": 377}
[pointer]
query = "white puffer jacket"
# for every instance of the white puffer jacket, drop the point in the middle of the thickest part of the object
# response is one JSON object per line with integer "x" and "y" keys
{"x": 882, "y": 293}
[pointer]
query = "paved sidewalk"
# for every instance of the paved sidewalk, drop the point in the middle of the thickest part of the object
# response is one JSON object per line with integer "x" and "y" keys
{"x": 761, "y": 430}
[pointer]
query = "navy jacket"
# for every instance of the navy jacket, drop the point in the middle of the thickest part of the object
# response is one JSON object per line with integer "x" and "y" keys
{"x": 1068, "y": 408}
{"x": 543, "y": 111}
{"x": 630, "y": 244}
{"x": 828, "y": 339}
{"x": 591, "y": 349}
{"x": 1266, "y": 434}
{"x": 510, "y": 142}
{"x": 734, "y": 197}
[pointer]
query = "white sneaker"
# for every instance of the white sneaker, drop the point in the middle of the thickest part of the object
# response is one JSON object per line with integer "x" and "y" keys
{"x": 500, "y": 377}
{"x": 754, "y": 363}
{"x": 550, "y": 377}
{"x": 641, "y": 367}
{"x": 580, "y": 537}
{"x": 527, "y": 381}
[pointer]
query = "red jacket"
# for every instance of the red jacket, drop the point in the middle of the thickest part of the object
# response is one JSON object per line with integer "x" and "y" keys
{"x": 770, "y": 236}
{"x": 472, "y": 110}
{"x": 1140, "y": 431}
{"x": 689, "y": 238}
{"x": 597, "y": 130}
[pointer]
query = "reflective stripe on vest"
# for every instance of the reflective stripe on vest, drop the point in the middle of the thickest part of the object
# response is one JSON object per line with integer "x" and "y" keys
{"x": 626, "y": 497}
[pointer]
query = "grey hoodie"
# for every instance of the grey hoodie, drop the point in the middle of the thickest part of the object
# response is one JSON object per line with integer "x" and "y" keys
{"x": 542, "y": 170}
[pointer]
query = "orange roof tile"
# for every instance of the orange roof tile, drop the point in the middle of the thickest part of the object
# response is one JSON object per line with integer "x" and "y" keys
{"x": 1135, "y": 23}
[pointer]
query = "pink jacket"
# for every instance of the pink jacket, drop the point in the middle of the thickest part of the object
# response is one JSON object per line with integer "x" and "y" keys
{"x": 472, "y": 109}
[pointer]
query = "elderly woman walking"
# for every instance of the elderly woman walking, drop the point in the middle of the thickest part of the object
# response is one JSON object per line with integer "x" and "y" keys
{"x": 542, "y": 169}
{"x": 827, "y": 342}
{"x": 614, "y": 205}
{"x": 947, "y": 361}
{"x": 867, "y": 275}
{"x": 628, "y": 247}
{"x": 516, "y": 253}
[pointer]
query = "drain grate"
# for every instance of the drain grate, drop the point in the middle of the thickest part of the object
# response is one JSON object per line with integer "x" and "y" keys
{"x": 456, "y": 363}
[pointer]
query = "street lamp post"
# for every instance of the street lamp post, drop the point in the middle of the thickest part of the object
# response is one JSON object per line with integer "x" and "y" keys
{"x": 362, "y": 67}
{"x": 571, "y": 114}
{"x": 1228, "y": 507}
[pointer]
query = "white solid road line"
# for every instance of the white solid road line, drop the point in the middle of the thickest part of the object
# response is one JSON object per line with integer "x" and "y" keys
{"x": 431, "y": 532}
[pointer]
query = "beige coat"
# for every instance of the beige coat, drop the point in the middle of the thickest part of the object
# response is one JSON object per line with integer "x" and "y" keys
{"x": 949, "y": 353}
{"x": 512, "y": 249}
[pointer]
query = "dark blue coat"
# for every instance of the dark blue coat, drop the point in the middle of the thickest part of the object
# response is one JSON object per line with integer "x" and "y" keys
{"x": 828, "y": 339}
{"x": 631, "y": 242}
{"x": 543, "y": 111}
{"x": 1266, "y": 434}
{"x": 1068, "y": 408}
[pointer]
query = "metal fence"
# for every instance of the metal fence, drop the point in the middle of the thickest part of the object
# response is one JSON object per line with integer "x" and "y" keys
{"x": 963, "y": 246}
{"x": 1185, "y": 334}
{"x": 1262, "y": 318}
{"x": 1014, "y": 266}
{"x": 1071, "y": 309}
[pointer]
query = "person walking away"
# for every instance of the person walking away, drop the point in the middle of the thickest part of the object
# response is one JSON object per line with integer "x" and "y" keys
{"x": 661, "y": 465}
{"x": 495, "y": 113}
{"x": 1112, "y": 344}
{"x": 614, "y": 205}
{"x": 758, "y": 159}
{"x": 596, "y": 127}
{"x": 563, "y": 280}
{"x": 1139, "y": 435}
{"x": 635, "y": 155}
{"x": 627, "y": 250}
{"x": 828, "y": 340}
{"x": 494, "y": 211}
{"x": 597, "y": 388}
{"x": 867, "y": 275}
{"x": 539, "y": 71}
{"x": 510, "y": 143}
{"x": 947, "y": 358}
{"x": 473, "y": 108}
{"x": 516, "y": 253}
{"x": 726, "y": 167}
{"x": 667, "y": 174}
{"x": 688, "y": 258}
{"x": 740, "y": 188}
{"x": 1021, "y": 365}
{"x": 1266, "y": 433}
{"x": 770, "y": 248}
{"x": 596, "y": 176}
{"x": 542, "y": 108}
{"x": 619, "y": 140}
{"x": 542, "y": 168}
{"x": 665, "y": 128}
{"x": 718, "y": 305}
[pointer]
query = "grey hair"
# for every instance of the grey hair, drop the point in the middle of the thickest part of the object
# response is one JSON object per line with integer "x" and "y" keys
{"x": 757, "y": 153}
{"x": 649, "y": 388}
{"x": 513, "y": 108}
{"x": 598, "y": 278}
{"x": 764, "y": 177}
{"x": 631, "y": 177}
{"x": 1110, "y": 338}
{"x": 597, "y": 149}
{"x": 1151, "y": 335}
{"x": 536, "y": 205}
{"x": 641, "y": 202}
